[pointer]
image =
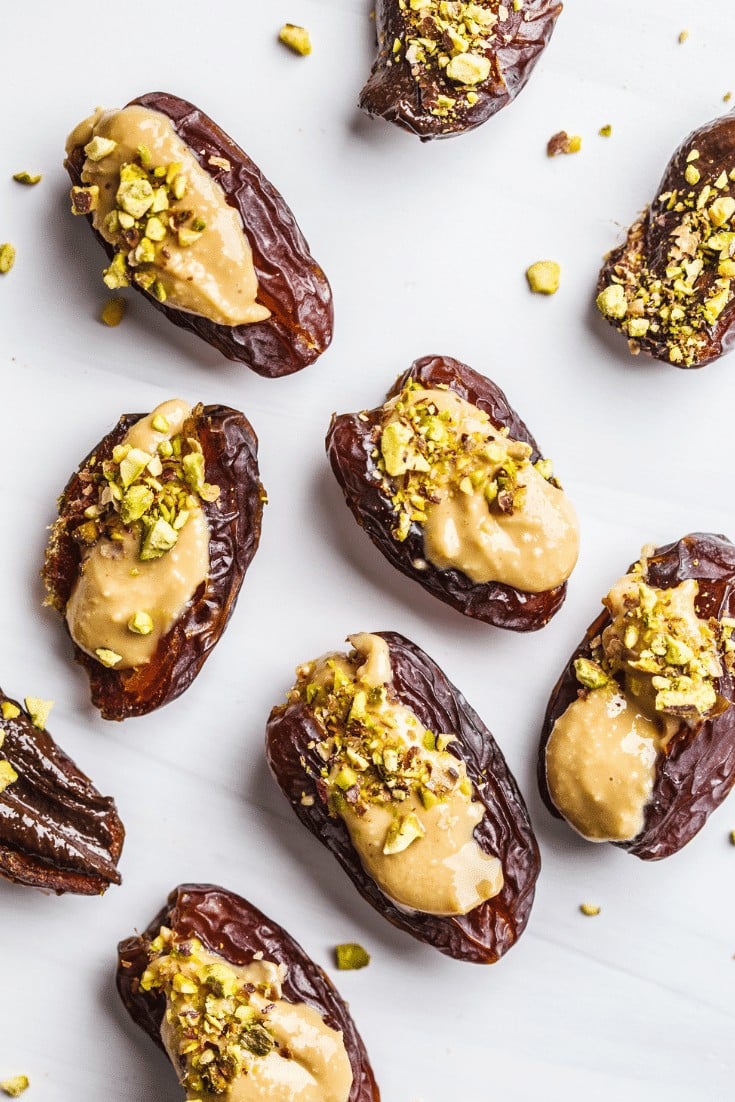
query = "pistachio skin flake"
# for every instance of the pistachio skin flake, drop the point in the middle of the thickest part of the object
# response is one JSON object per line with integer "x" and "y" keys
{"x": 489, "y": 930}
{"x": 230, "y": 461}
{"x": 697, "y": 769}
{"x": 291, "y": 284}
{"x": 350, "y": 956}
{"x": 232, "y": 928}
{"x": 444, "y": 68}
{"x": 351, "y": 442}
{"x": 670, "y": 287}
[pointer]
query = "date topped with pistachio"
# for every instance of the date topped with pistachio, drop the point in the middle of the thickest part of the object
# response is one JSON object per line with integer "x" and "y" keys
{"x": 56, "y": 831}
{"x": 451, "y": 487}
{"x": 639, "y": 740}
{"x": 445, "y": 66}
{"x": 148, "y": 553}
{"x": 188, "y": 219}
{"x": 412, "y": 807}
{"x": 670, "y": 288}
{"x": 238, "y": 1007}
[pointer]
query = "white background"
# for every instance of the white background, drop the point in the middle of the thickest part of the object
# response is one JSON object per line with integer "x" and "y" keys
{"x": 426, "y": 248}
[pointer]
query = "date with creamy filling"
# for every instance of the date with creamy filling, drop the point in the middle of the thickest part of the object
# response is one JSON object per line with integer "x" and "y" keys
{"x": 407, "y": 802}
{"x": 653, "y": 668}
{"x": 168, "y": 221}
{"x": 230, "y": 1033}
{"x": 145, "y": 540}
{"x": 484, "y": 508}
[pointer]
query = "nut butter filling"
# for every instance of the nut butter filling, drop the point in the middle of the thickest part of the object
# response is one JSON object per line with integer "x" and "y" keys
{"x": 405, "y": 800}
{"x": 483, "y": 507}
{"x": 174, "y": 232}
{"x": 138, "y": 575}
{"x": 231, "y": 1035}
{"x": 652, "y": 668}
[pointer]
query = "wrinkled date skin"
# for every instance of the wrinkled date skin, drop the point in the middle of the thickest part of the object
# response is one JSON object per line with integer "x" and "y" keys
{"x": 484, "y": 934}
{"x": 230, "y": 449}
{"x": 697, "y": 769}
{"x": 56, "y": 831}
{"x": 648, "y": 238}
{"x": 228, "y": 925}
{"x": 408, "y": 98}
{"x": 290, "y": 282}
{"x": 351, "y": 441}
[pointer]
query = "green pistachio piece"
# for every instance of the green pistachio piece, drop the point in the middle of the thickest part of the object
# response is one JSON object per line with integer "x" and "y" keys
{"x": 136, "y": 501}
{"x": 108, "y": 658}
{"x": 116, "y": 276}
{"x": 133, "y": 465}
{"x": 590, "y": 674}
{"x": 9, "y": 710}
{"x": 135, "y": 196}
{"x": 544, "y": 277}
{"x": 397, "y": 446}
{"x": 8, "y": 775}
{"x": 296, "y": 38}
{"x": 113, "y": 311}
{"x": 26, "y": 178}
{"x": 145, "y": 252}
{"x": 159, "y": 423}
{"x": 611, "y": 301}
{"x": 155, "y": 229}
{"x": 351, "y": 956}
{"x": 84, "y": 200}
{"x": 159, "y": 538}
{"x": 140, "y": 623}
{"x": 38, "y": 710}
{"x": 99, "y": 148}
{"x": 345, "y": 778}
{"x": 7, "y": 257}
{"x": 402, "y": 832}
{"x": 467, "y": 68}
{"x": 187, "y": 237}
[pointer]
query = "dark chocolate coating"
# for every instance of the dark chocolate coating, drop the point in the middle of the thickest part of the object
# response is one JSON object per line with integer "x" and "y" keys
{"x": 649, "y": 237}
{"x": 489, "y": 930}
{"x": 228, "y": 925}
{"x": 697, "y": 769}
{"x": 393, "y": 92}
{"x": 230, "y": 449}
{"x": 350, "y": 443}
{"x": 290, "y": 282}
{"x": 56, "y": 831}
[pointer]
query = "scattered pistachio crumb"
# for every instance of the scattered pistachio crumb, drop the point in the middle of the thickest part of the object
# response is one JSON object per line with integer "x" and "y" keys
{"x": 683, "y": 36}
{"x": 605, "y": 131}
{"x": 113, "y": 311}
{"x": 727, "y": 97}
{"x": 15, "y": 1086}
{"x": 38, "y": 710}
{"x": 7, "y": 257}
{"x": 732, "y": 837}
{"x": 27, "y": 178}
{"x": 563, "y": 143}
{"x": 351, "y": 956}
{"x": 141, "y": 623}
{"x": 8, "y": 775}
{"x": 9, "y": 710}
{"x": 296, "y": 38}
{"x": 589, "y": 909}
{"x": 108, "y": 657}
{"x": 543, "y": 277}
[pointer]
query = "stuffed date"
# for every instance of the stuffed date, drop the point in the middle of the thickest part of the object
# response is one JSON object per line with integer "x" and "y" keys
{"x": 145, "y": 562}
{"x": 384, "y": 761}
{"x": 237, "y": 1005}
{"x": 638, "y": 743}
{"x": 450, "y": 486}
{"x": 190, "y": 221}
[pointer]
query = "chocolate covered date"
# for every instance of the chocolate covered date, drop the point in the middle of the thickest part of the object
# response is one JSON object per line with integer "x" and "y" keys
{"x": 56, "y": 831}
{"x": 669, "y": 287}
{"x": 444, "y": 68}
{"x": 156, "y": 530}
{"x": 450, "y": 486}
{"x": 384, "y": 761}
{"x": 190, "y": 221}
{"x": 237, "y": 1005}
{"x": 638, "y": 743}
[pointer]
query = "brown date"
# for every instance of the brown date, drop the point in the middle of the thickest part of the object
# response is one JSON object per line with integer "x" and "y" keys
{"x": 486, "y": 932}
{"x": 56, "y": 831}
{"x": 234, "y": 929}
{"x": 290, "y": 282}
{"x": 696, "y": 771}
{"x": 407, "y": 86}
{"x": 230, "y": 449}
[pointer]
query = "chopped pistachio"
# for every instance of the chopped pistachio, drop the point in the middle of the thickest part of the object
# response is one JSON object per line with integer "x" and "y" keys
{"x": 683, "y": 36}
{"x": 38, "y": 710}
{"x": 351, "y": 956}
{"x": 15, "y": 1086}
{"x": 159, "y": 423}
{"x": 9, "y": 710}
{"x": 187, "y": 237}
{"x": 732, "y": 837}
{"x": 605, "y": 131}
{"x": 296, "y": 38}
{"x": 26, "y": 178}
{"x": 543, "y": 277}
{"x": 402, "y": 832}
{"x": 107, "y": 657}
{"x": 466, "y": 68}
{"x": 159, "y": 538}
{"x": 155, "y": 229}
{"x": 590, "y": 674}
{"x": 134, "y": 195}
{"x": 116, "y": 275}
{"x": 133, "y": 464}
{"x": 7, "y": 257}
{"x": 692, "y": 175}
{"x": 563, "y": 143}
{"x": 113, "y": 311}
{"x": 99, "y": 148}
{"x": 589, "y": 909}
{"x": 84, "y": 200}
{"x": 141, "y": 623}
{"x": 611, "y": 301}
{"x": 8, "y": 775}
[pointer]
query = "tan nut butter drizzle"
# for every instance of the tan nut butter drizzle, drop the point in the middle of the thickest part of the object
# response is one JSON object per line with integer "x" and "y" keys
{"x": 106, "y": 594}
{"x": 215, "y": 276}
{"x": 445, "y": 872}
{"x": 602, "y": 754}
{"x": 318, "y": 1069}
{"x": 533, "y": 549}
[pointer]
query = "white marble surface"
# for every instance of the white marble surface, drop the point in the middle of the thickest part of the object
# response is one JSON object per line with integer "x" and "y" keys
{"x": 426, "y": 247}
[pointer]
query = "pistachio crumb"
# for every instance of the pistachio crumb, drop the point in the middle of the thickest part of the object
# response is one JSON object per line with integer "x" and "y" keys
{"x": 108, "y": 657}
{"x": 27, "y": 178}
{"x": 605, "y": 131}
{"x": 38, "y": 710}
{"x": 732, "y": 837}
{"x": 727, "y": 97}
{"x": 296, "y": 38}
{"x": 351, "y": 956}
{"x": 9, "y": 710}
{"x": 543, "y": 277}
{"x": 8, "y": 775}
{"x": 15, "y": 1086}
{"x": 113, "y": 311}
{"x": 683, "y": 36}
{"x": 99, "y": 148}
{"x": 589, "y": 909}
{"x": 7, "y": 257}
{"x": 563, "y": 143}
{"x": 141, "y": 623}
